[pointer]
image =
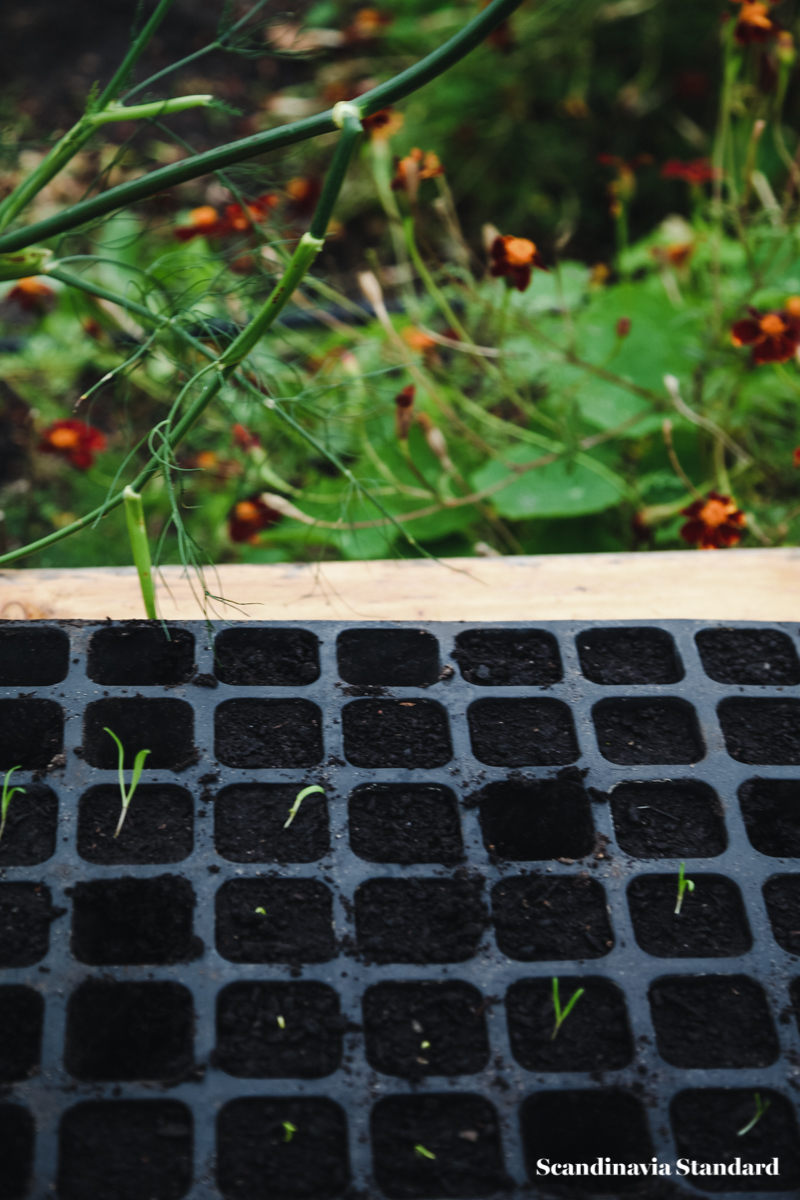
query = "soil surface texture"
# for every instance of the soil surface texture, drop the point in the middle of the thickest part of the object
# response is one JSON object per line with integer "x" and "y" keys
{"x": 762, "y": 731}
{"x": 636, "y": 732}
{"x": 595, "y": 1036}
{"x": 33, "y": 657}
{"x": 405, "y": 823}
{"x": 26, "y": 913}
{"x": 712, "y": 1021}
{"x": 711, "y": 924}
{"x": 279, "y": 1030}
{"x": 771, "y": 811}
{"x": 249, "y": 821}
{"x": 296, "y": 925}
{"x": 158, "y": 827}
{"x": 266, "y": 657}
{"x": 668, "y": 820}
{"x": 396, "y": 733}
{"x": 388, "y": 657}
{"x": 268, "y": 733}
{"x": 522, "y": 733}
{"x": 134, "y": 921}
{"x": 31, "y": 733}
{"x": 749, "y": 656}
{"x": 419, "y": 920}
{"x": 629, "y": 656}
{"x": 16, "y": 1151}
{"x": 539, "y": 918}
{"x": 164, "y": 727}
{"x": 21, "y": 1018}
{"x": 140, "y": 656}
{"x": 31, "y": 825}
{"x": 534, "y": 819}
{"x": 426, "y": 1028}
{"x": 782, "y": 898}
{"x": 508, "y": 657}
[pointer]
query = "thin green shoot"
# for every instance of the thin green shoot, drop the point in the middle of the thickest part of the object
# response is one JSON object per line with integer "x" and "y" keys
{"x": 298, "y": 800}
{"x": 421, "y": 1152}
{"x": 8, "y": 795}
{"x": 263, "y": 911}
{"x": 424, "y": 1045}
{"x": 289, "y": 1130}
{"x": 563, "y": 1013}
{"x": 761, "y": 1108}
{"x": 281, "y": 1022}
{"x": 684, "y": 885}
{"x": 138, "y": 767}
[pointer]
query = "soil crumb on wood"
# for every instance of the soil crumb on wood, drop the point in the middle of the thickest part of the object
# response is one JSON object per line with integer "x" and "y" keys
{"x": 279, "y": 1030}
{"x": 134, "y": 655}
{"x": 296, "y": 925}
{"x": 16, "y": 1151}
{"x": 539, "y": 918}
{"x": 266, "y": 657}
{"x": 771, "y": 811}
{"x": 268, "y": 733}
{"x": 134, "y": 921}
{"x": 637, "y": 732}
{"x": 668, "y": 820}
{"x": 711, "y": 924}
{"x": 595, "y": 1036}
{"x": 712, "y": 1021}
{"x": 388, "y": 657}
{"x": 129, "y": 1030}
{"x": 629, "y": 656}
{"x": 33, "y": 657}
{"x": 396, "y": 733}
{"x": 534, "y": 819}
{"x": 158, "y": 828}
{"x": 249, "y": 822}
{"x": 782, "y": 898}
{"x": 31, "y": 825}
{"x": 522, "y": 733}
{"x": 31, "y": 734}
{"x": 508, "y": 657}
{"x": 749, "y": 656}
{"x": 426, "y": 1028}
{"x": 405, "y": 823}
{"x": 419, "y": 920}
{"x": 26, "y": 913}
{"x": 21, "y": 1019}
{"x": 762, "y": 731}
{"x": 164, "y": 727}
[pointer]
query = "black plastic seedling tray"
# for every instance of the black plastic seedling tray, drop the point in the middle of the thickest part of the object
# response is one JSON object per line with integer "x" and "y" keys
{"x": 501, "y": 805}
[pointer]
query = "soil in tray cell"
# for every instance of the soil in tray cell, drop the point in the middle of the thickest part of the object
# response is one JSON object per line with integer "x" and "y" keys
{"x": 388, "y": 657}
{"x": 396, "y": 733}
{"x": 164, "y": 727}
{"x": 33, "y": 657}
{"x": 26, "y": 913}
{"x": 782, "y": 898}
{"x": 712, "y": 1021}
{"x": 530, "y": 819}
{"x": 629, "y": 656}
{"x": 31, "y": 733}
{"x": 522, "y": 733}
{"x": 668, "y": 820}
{"x": 711, "y": 924}
{"x": 708, "y": 1123}
{"x": 405, "y": 823}
{"x": 266, "y": 657}
{"x": 21, "y": 1018}
{"x": 761, "y": 731}
{"x": 158, "y": 827}
{"x": 419, "y": 920}
{"x": 125, "y": 1150}
{"x": 249, "y": 822}
{"x": 749, "y": 656}
{"x": 508, "y": 657}
{"x": 119, "y": 1031}
{"x": 539, "y": 918}
{"x": 295, "y": 926}
{"x": 771, "y": 811}
{"x": 279, "y": 1030}
{"x": 595, "y": 1036}
{"x": 268, "y": 733}
{"x": 134, "y": 921}
{"x": 283, "y": 1148}
{"x": 31, "y": 824}
{"x": 134, "y": 655}
{"x": 636, "y": 732}
{"x": 425, "y": 1028}
{"x": 437, "y": 1146}
{"x": 16, "y": 1151}
{"x": 580, "y": 1127}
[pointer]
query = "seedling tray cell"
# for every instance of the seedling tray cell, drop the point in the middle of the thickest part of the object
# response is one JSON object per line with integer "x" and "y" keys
{"x": 359, "y": 1004}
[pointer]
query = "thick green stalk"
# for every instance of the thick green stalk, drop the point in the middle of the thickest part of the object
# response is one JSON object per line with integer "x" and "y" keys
{"x": 137, "y": 533}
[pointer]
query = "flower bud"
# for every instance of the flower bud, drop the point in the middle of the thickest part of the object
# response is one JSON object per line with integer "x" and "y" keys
{"x": 623, "y": 327}
{"x": 404, "y": 411}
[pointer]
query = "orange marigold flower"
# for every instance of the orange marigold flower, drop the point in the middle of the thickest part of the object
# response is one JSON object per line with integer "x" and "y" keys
{"x": 368, "y": 23}
{"x": 774, "y": 336}
{"x": 303, "y": 193}
{"x": 515, "y": 258}
{"x": 248, "y": 518}
{"x": 74, "y": 440}
{"x": 383, "y": 124}
{"x": 713, "y": 522}
{"x": 677, "y": 254}
{"x": 205, "y": 221}
{"x": 415, "y": 167}
{"x": 32, "y": 295}
{"x": 754, "y": 23}
{"x": 243, "y": 438}
{"x": 697, "y": 171}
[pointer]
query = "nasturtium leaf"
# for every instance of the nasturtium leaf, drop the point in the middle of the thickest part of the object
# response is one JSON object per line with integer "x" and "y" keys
{"x": 555, "y": 490}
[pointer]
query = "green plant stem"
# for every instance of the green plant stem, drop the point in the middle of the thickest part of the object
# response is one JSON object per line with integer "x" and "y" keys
{"x": 298, "y": 800}
{"x": 137, "y": 532}
{"x": 433, "y": 291}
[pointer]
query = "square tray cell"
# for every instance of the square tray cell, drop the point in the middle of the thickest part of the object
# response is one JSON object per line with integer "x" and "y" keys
{"x": 31, "y": 733}
{"x": 125, "y": 1150}
{"x": 396, "y": 733}
{"x": 771, "y": 811}
{"x": 508, "y": 657}
{"x": 36, "y": 657}
{"x": 596, "y": 1035}
{"x": 266, "y": 657}
{"x": 539, "y": 918}
{"x": 31, "y": 825}
{"x": 282, "y": 1147}
{"x": 425, "y": 1028}
{"x": 158, "y": 827}
{"x": 16, "y": 1151}
{"x": 419, "y": 920}
{"x": 388, "y": 657}
{"x": 712, "y": 1021}
{"x": 579, "y": 1127}
{"x": 21, "y": 1019}
{"x": 455, "y": 1165}
{"x": 134, "y": 655}
{"x": 782, "y": 898}
{"x": 749, "y": 656}
{"x": 26, "y": 913}
{"x": 164, "y": 727}
{"x": 268, "y": 733}
{"x": 534, "y": 819}
{"x": 629, "y": 656}
{"x": 637, "y": 732}
{"x": 405, "y": 823}
{"x": 279, "y": 1030}
{"x": 118, "y": 1031}
{"x": 668, "y": 820}
{"x": 249, "y": 820}
{"x": 707, "y": 1124}
{"x": 761, "y": 731}
{"x": 522, "y": 733}
{"x": 296, "y": 924}
{"x": 134, "y": 921}
{"x": 711, "y": 924}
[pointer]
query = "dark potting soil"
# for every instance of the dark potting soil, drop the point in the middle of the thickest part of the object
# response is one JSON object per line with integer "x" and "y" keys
{"x": 527, "y": 819}
{"x": 761, "y": 731}
{"x": 426, "y": 1028}
{"x": 405, "y": 823}
{"x": 295, "y": 927}
{"x": 668, "y": 820}
{"x": 31, "y": 824}
{"x": 539, "y": 918}
{"x": 782, "y": 898}
{"x": 582, "y": 1126}
{"x": 158, "y": 827}
{"x": 252, "y": 1044}
{"x": 508, "y": 657}
{"x": 396, "y": 733}
{"x": 634, "y": 732}
{"x": 249, "y": 824}
{"x": 596, "y": 1035}
{"x": 33, "y": 657}
{"x": 125, "y": 1150}
{"x": 118, "y": 1031}
{"x": 266, "y": 657}
{"x": 287, "y": 1149}
{"x": 711, "y": 924}
{"x": 21, "y": 1018}
{"x": 134, "y": 655}
{"x": 522, "y": 733}
{"x": 419, "y": 920}
{"x": 134, "y": 921}
{"x": 388, "y": 657}
{"x": 459, "y": 1131}
{"x": 26, "y": 913}
{"x": 629, "y": 656}
{"x": 712, "y": 1021}
{"x": 771, "y": 811}
{"x": 706, "y": 1124}
{"x": 16, "y": 1151}
{"x": 164, "y": 727}
{"x": 268, "y": 733}
{"x": 31, "y": 733}
{"x": 749, "y": 656}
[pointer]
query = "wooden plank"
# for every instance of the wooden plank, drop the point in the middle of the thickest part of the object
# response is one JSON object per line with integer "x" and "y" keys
{"x": 728, "y": 585}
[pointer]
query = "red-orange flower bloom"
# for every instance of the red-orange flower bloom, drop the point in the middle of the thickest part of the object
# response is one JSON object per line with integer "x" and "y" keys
{"x": 796, "y": 457}
{"x": 774, "y": 336}
{"x": 754, "y": 23}
{"x": 415, "y": 167}
{"x": 383, "y": 124}
{"x": 74, "y": 440}
{"x": 205, "y": 221}
{"x": 623, "y": 327}
{"x": 247, "y": 519}
{"x": 697, "y": 171}
{"x": 713, "y": 523}
{"x": 31, "y": 294}
{"x": 243, "y": 438}
{"x": 515, "y": 258}
{"x": 303, "y": 192}
{"x": 368, "y": 23}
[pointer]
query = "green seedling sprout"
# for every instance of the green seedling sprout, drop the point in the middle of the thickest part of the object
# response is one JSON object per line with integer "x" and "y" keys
{"x": 298, "y": 800}
{"x": 289, "y": 1130}
{"x": 424, "y": 1045}
{"x": 138, "y": 767}
{"x": 562, "y": 1014}
{"x": 281, "y": 1022}
{"x": 263, "y": 911}
{"x": 421, "y": 1152}
{"x": 7, "y": 797}
{"x": 683, "y": 886}
{"x": 761, "y": 1108}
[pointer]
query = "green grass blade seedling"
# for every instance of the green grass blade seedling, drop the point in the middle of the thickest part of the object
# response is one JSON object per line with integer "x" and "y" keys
{"x": 421, "y": 1152}
{"x": 138, "y": 767}
{"x": 684, "y": 885}
{"x": 298, "y": 800}
{"x": 7, "y": 797}
{"x": 761, "y": 1108}
{"x": 289, "y": 1130}
{"x": 562, "y": 1014}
